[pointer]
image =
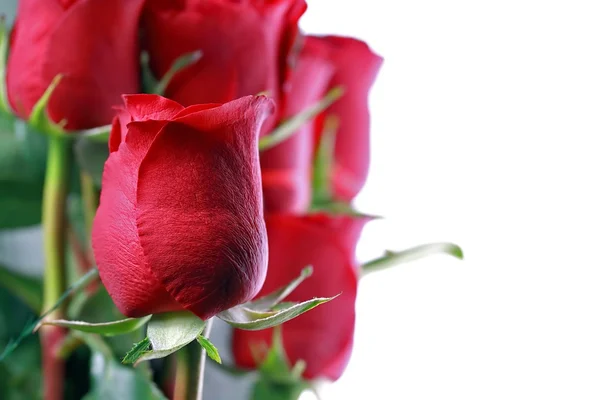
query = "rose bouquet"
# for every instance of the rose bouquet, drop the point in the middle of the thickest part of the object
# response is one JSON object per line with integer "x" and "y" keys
{"x": 187, "y": 160}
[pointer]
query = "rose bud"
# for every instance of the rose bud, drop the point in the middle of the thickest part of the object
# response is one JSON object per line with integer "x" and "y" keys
{"x": 287, "y": 167}
{"x": 180, "y": 223}
{"x": 322, "y": 337}
{"x": 356, "y": 69}
{"x": 245, "y": 46}
{"x": 93, "y": 44}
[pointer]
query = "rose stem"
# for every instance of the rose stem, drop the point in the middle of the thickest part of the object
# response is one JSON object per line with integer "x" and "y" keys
{"x": 202, "y": 364}
{"x": 54, "y": 224}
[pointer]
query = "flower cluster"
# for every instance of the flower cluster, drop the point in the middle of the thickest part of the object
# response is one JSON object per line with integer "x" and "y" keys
{"x": 192, "y": 216}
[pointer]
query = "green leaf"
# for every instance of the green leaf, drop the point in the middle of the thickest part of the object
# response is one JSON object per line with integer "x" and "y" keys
{"x": 113, "y": 381}
{"x": 103, "y": 328}
{"x": 210, "y": 348}
{"x": 39, "y": 118}
{"x": 287, "y": 128}
{"x": 99, "y": 134}
{"x": 138, "y": 350}
{"x": 271, "y": 300}
{"x": 245, "y": 318}
{"x": 91, "y": 155}
{"x": 27, "y": 289}
{"x": 179, "y": 64}
{"x": 170, "y": 332}
{"x": 391, "y": 258}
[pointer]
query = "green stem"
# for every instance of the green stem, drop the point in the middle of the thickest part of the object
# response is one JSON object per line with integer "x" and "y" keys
{"x": 89, "y": 195}
{"x": 186, "y": 370}
{"x": 202, "y": 365}
{"x": 54, "y": 226}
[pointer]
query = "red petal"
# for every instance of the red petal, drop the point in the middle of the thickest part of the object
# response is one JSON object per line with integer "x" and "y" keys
{"x": 323, "y": 336}
{"x": 116, "y": 244}
{"x": 143, "y": 107}
{"x": 200, "y": 208}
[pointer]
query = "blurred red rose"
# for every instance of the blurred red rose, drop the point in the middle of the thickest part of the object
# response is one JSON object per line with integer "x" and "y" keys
{"x": 322, "y": 337}
{"x": 93, "y": 43}
{"x": 245, "y": 46}
{"x": 180, "y": 223}
{"x": 287, "y": 167}
{"x": 356, "y": 69}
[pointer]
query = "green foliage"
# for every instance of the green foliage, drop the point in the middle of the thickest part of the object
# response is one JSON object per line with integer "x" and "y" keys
{"x": 112, "y": 328}
{"x": 210, "y": 348}
{"x": 114, "y": 381}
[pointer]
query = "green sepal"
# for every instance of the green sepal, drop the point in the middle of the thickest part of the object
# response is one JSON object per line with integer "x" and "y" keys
{"x": 99, "y": 134}
{"x": 113, "y": 328}
{"x": 138, "y": 350}
{"x": 180, "y": 63}
{"x": 39, "y": 118}
{"x": 27, "y": 289}
{"x": 277, "y": 379}
{"x": 271, "y": 300}
{"x": 169, "y": 332}
{"x": 211, "y": 349}
{"x": 323, "y": 164}
{"x": 393, "y": 258}
{"x": 290, "y": 126}
{"x": 245, "y": 318}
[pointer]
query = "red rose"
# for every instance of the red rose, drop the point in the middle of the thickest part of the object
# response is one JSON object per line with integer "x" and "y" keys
{"x": 93, "y": 43}
{"x": 356, "y": 69}
{"x": 245, "y": 46}
{"x": 180, "y": 223}
{"x": 322, "y": 337}
{"x": 287, "y": 167}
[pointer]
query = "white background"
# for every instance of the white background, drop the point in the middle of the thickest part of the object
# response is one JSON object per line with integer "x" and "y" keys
{"x": 485, "y": 120}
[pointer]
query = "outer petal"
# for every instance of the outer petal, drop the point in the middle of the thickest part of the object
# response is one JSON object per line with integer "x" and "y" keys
{"x": 200, "y": 208}
{"x": 356, "y": 69}
{"x": 93, "y": 43}
{"x": 115, "y": 240}
{"x": 143, "y": 107}
{"x": 286, "y": 168}
{"x": 245, "y": 46}
{"x": 323, "y": 336}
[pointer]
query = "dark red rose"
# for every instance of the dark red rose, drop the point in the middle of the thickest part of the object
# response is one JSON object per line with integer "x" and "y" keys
{"x": 287, "y": 167}
{"x": 180, "y": 223}
{"x": 93, "y": 43}
{"x": 245, "y": 46}
{"x": 356, "y": 69}
{"x": 323, "y": 336}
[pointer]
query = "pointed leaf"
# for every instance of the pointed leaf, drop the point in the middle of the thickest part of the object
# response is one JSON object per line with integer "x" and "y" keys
{"x": 138, "y": 350}
{"x": 269, "y": 301}
{"x": 391, "y": 258}
{"x": 244, "y": 318}
{"x": 179, "y": 64}
{"x": 291, "y": 125}
{"x": 170, "y": 332}
{"x": 103, "y": 328}
{"x": 210, "y": 348}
